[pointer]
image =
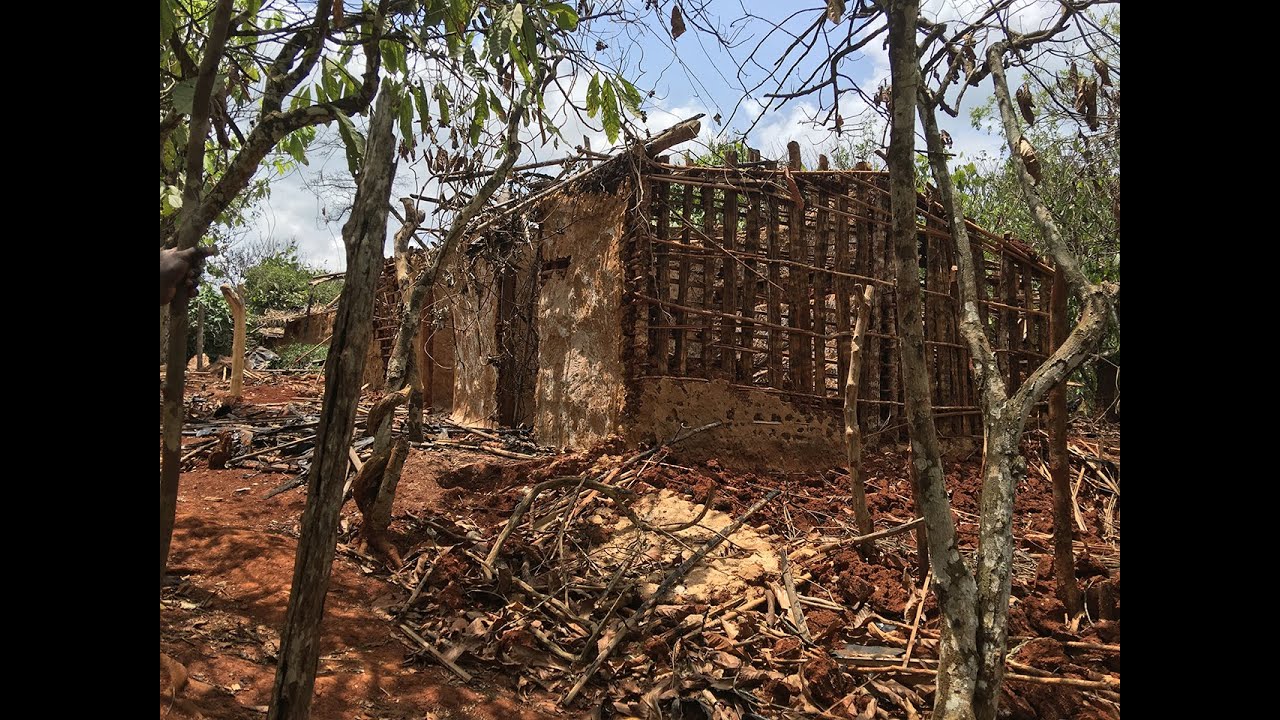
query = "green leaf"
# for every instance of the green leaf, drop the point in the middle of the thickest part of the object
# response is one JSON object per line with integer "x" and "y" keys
{"x": 329, "y": 79}
{"x": 170, "y": 199}
{"x": 496, "y": 40}
{"x": 529, "y": 39}
{"x": 167, "y": 20}
{"x": 353, "y": 140}
{"x": 473, "y": 67}
{"x": 296, "y": 146}
{"x": 424, "y": 107}
{"x": 455, "y": 46}
{"x": 481, "y": 114}
{"x": 442, "y": 103}
{"x": 406, "y": 122}
{"x": 495, "y": 104}
{"x": 389, "y": 57}
{"x": 631, "y": 97}
{"x": 517, "y": 18}
{"x": 609, "y": 104}
{"x": 521, "y": 64}
{"x": 565, "y": 17}
{"x": 593, "y": 96}
{"x": 184, "y": 94}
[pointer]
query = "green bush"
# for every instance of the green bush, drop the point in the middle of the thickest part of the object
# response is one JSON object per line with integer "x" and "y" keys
{"x": 280, "y": 282}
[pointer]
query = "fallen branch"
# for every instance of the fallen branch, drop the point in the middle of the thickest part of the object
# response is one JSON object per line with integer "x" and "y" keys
{"x": 915, "y": 626}
{"x": 466, "y": 676}
{"x": 810, "y": 553}
{"x": 793, "y": 601}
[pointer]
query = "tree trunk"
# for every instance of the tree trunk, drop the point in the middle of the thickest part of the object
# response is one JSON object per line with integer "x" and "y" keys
{"x": 364, "y": 235}
{"x": 189, "y": 233}
{"x": 1003, "y": 416}
{"x": 236, "y": 303}
{"x": 954, "y": 584}
{"x": 1064, "y": 559}
{"x": 1003, "y": 469}
{"x": 400, "y": 367}
{"x": 164, "y": 333}
{"x": 852, "y": 433}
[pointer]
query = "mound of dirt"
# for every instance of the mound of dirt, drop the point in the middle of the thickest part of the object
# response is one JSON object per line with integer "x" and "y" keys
{"x": 747, "y": 558}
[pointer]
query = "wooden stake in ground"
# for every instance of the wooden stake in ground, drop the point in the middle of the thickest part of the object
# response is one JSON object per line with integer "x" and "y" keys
{"x": 200, "y": 337}
{"x": 364, "y": 235}
{"x": 236, "y": 302}
{"x": 852, "y": 433}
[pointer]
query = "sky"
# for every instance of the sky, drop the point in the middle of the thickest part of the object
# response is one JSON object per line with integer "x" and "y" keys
{"x": 689, "y": 75}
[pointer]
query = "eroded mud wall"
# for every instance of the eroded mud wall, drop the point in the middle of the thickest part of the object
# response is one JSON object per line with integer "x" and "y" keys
{"x": 466, "y": 293}
{"x": 580, "y": 387}
{"x": 437, "y": 357}
{"x": 760, "y": 429}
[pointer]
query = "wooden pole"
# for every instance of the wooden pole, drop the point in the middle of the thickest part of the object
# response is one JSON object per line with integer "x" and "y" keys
{"x": 200, "y": 336}
{"x": 236, "y": 303}
{"x": 1064, "y": 561}
{"x": 852, "y": 433}
{"x": 729, "y": 287}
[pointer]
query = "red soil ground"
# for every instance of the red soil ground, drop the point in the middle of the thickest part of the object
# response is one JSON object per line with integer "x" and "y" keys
{"x": 233, "y": 554}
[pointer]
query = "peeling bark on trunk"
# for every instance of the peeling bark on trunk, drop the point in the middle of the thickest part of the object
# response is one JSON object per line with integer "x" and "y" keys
{"x": 954, "y": 584}
{"x": 364, "y": 235}
{"x": 164, "y": 333}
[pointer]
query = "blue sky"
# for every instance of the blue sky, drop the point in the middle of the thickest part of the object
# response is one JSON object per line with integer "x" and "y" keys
{"x": 699, "y": 77}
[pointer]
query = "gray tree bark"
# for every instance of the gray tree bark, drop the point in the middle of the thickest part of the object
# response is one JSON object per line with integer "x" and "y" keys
{"x": 364, "y": 235}
{"x": 1003, "y": 416}
{"x": 954, "y": 583}
{"x": 189, "y": 232}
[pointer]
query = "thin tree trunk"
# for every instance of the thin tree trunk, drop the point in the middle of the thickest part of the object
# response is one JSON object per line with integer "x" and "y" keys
{"x": 954, "y": 583}
{"x": 364, "y": 235}
{"x": 1003, "y": 470}
{"x": 189, "y": 233}
{"x": 1003, "y": 416}
{"x": 1064, "y": 559}
{"x": 413, "y": 424}
{"x": 236, "y": 303}
{"x": 852, "y": 433}
{"x": 401, "y": 366}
